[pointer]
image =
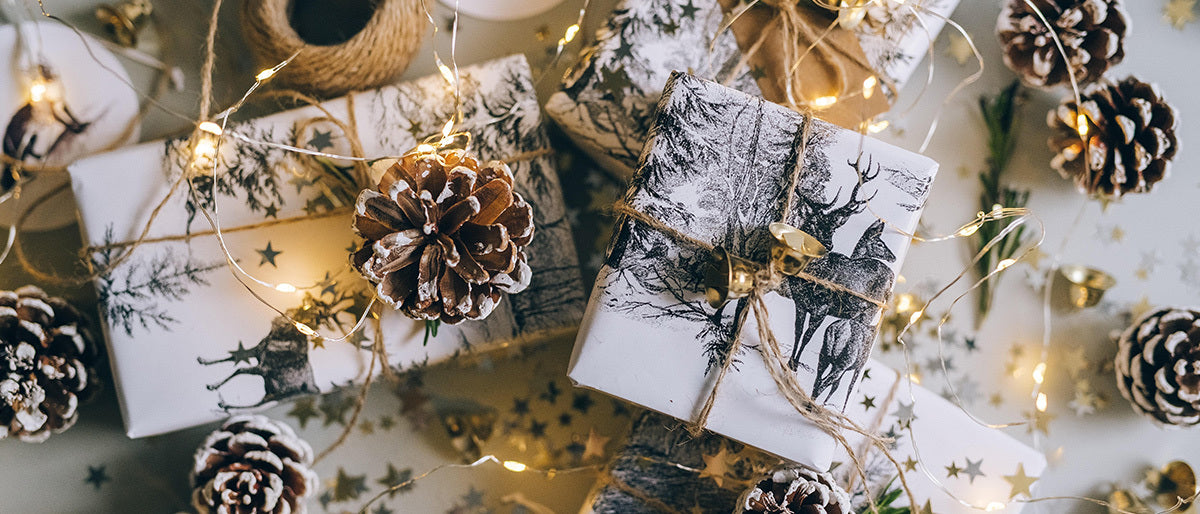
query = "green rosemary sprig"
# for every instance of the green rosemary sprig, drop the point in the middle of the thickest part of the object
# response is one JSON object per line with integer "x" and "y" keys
{"x": 1000, "y": 113}
{"x": 886, "y": 500}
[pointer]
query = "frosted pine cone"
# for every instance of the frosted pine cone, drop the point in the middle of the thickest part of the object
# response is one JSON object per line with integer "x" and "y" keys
{"x": 253, "y": 465}
{"x": 797, "y": 491}
{"x": 1158, "y": 366}
{"x": 1131, "y": 138}
{"x": 444, "y": 236}
{"x": 1092, "y": 33}
{"x": 45, "y": 365}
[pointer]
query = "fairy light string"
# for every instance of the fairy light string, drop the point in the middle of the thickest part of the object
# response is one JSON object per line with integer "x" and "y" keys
{"x": 449, "y": 136}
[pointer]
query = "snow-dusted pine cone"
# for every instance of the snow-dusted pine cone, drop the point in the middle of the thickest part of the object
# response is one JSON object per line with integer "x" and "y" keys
{"x": 1130, "y": 133}
{"x": 253, "y": 465}
{"x": 797, "y": 491}
{"x": 45, "y": 364}
{"x": 1092, "y": 33}
{"x": 1158, "y": 365}
{"x": 444, "y": 236}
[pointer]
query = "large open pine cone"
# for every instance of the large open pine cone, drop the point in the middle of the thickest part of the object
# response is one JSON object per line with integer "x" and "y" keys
{"x": 797, "y": 491}
{"x": 444, "y": 236}
{"x": 1131, "y": 138}
{"x": 1158, "y": 366}
{"x": 253, "y": 465}
{"x": 1092, "y": 34}
{"x": 45, "y": 364}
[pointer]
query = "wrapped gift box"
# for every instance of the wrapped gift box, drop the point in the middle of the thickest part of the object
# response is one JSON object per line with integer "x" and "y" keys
{"x": 606, "y": 104}
{"x": 977, "y": 464}
{"x": 649, "y": 468}
{"x": 948, "y": 439}
{"x": 188, "y": 343}
{"x": 715, "y": 168}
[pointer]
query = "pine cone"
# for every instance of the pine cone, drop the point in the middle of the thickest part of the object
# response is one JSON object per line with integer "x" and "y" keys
{"x": 1158, "y": 366}
{"x": 252, "y": 465}
{"x": 1131, "y": 138}
{"x": 45, "y": 365}
{"x": 444, "y": 236}
{"x": 798, "y": 491}
{"x": 1092, "y": 33}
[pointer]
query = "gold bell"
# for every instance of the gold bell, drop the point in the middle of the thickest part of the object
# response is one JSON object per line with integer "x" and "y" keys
{"x": 727, "y": 278}
{"x": 123, "y": 21}
{"x": 1175, "y": 481}
{"x": 793, "y": 248}
{"x": 1088, "y": 285}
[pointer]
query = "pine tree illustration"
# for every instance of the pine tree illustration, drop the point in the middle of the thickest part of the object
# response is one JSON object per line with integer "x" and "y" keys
{"x": 132, "y": 295}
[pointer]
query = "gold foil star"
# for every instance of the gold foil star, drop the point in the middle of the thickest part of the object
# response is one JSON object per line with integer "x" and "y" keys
{"x": 959, "y": 48}
{"x": 910, "y": 464}
{"x": 1179, "y": 13}
{"x": 996, "y": 400}
{"x": 1141, "y": 274}
{"x": 595, "y": 445}
{"x": 927, "y": 508}
{"x": 716, "y": 466}
{"x": 1040, "y": 421}
{"x": 1118, "y": 234}
{"x": 1075, "y": 361}
{"x": 1020, "y": 482}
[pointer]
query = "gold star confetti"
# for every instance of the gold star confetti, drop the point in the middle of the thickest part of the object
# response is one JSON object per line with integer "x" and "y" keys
{"x": 996, "y": 400}
{"x": 910, "y": 464}
{"x": 1179, "y": 13}
{"x": 595, "y": 445}
{"x": 953, "y": 470}
{"x": 959, "y": 48}
{"x": 1118, "y": 234}
{"x": 716, "y": 466}
{"x": 1040, "y": 421}
{"x": 1141, "y": 274}
{"x": 964, "y": 171}
{"x": 1075, "y": 361}
{"x": 927, "y": 508}
{"x": 1020, "y": 482}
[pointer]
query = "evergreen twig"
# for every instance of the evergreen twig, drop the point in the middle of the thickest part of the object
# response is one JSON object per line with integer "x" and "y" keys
{"x": 1000, "y": 113}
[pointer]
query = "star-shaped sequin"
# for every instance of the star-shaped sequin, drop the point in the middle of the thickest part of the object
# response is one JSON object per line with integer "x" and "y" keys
{"x": 974, "y": 469}
{"x": 268, "y": 256}
{"x": 303, "y": 410}
{"x": 952, "y": 470}
{"x": 1179, "y": 13}
{"x": 868, "y": 402}
{"x": 959, "y": 48}
{"x": 97, "y": 476}
{"x": 716, "y": 466}
{"x": 904, "y": 413}
{"x": 348, "y": 487}
{"x": 395, "y": 477}
{"x": 595, "y": 445}
{"x": 910, "y": 464}
{"x": 1020, "y": 482}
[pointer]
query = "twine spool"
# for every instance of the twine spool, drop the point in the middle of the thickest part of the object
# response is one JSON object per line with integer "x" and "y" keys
{"x": 372, "y": 57}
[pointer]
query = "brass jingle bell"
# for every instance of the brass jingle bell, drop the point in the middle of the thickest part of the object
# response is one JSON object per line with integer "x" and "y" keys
{"x": 1175, "y": 481}
{"x": 123, "y": 21}
{"x": 727, "y": 278}
{"x": 793, "y": 249}
{"x": 1088, "y": 285}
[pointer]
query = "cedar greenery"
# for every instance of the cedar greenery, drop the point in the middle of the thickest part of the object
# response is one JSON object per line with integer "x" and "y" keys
{"x": 1000, "y": 113}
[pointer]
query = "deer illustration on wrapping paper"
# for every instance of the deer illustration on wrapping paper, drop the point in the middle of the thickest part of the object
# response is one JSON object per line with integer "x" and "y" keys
{"x": 846, "y": 343}
{"x": 281, "y": 359}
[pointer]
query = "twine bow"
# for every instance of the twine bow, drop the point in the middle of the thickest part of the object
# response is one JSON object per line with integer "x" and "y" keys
{"x": 766, "y": 279}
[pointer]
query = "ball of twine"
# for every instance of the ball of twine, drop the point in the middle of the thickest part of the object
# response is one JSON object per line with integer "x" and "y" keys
{"x": 371, "y": 58}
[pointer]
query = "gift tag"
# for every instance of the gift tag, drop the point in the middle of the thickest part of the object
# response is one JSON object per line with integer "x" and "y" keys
{"x": 83, "y": 106}
{"x": 502, "y": 10}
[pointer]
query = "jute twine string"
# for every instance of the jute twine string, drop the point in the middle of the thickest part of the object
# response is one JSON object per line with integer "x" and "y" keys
{"x": 372, "y": 57}
{"x": 767, "y": 279}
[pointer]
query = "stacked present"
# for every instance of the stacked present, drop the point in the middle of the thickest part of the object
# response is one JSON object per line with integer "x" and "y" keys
{"x": 188, "y": 345}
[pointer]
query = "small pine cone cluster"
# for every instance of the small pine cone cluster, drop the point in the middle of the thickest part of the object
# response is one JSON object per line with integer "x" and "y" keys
{"x": 445, "y": 236}
{"x": 45, "y": 365}
{"x": 1130, "y": 131}
{"x": 253, "y": 465}
{"x": 1092, "y": 33}
{"x": 797, "y": 491}
{"x": 1158, "y": 366}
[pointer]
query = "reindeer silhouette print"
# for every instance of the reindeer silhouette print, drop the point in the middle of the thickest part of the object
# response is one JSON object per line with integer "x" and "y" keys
{"x": 281, "y": 359}
{"x": 847, "y": 341}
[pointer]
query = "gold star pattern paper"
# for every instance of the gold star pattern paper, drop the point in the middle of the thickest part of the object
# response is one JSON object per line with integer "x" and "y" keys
{"x": 1020, "y": 482}
{"x": 717, "y": 466}
{"x": 1179, "y": 13}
